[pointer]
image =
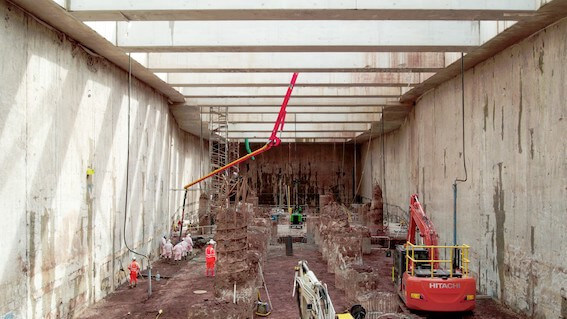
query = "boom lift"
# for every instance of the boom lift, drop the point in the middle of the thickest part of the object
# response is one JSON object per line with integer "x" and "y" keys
{"x": 427, "y": 280}
{"x": 313, "y": 298}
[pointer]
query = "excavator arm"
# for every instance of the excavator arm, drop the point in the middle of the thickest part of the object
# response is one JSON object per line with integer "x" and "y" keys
{"x": 419, "y": 221}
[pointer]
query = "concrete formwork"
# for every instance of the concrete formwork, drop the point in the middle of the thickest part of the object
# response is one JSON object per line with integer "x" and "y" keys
{"x": 512, "y": 208}
{"x": 63, "y": 111}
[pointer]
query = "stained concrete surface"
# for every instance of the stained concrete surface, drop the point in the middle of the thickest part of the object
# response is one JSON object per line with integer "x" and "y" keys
{"x": 63, "y": 111}
{"x": 511, "y": 210}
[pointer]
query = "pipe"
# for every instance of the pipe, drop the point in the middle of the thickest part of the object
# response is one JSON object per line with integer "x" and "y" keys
{"x": 128, "y": 170}
{"x": 149, "y": 278}
{"x": 455, "y": 213}
{"x": 273, "y": 141}
{"x": 182, "y": 214}
{"x": 458, "y": 180}
{"x": 229, "y": 165}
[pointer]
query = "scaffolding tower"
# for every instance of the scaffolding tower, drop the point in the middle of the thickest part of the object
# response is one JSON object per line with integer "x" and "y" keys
{"x": 221, "y": 152}
{"x": 218, "y": 146}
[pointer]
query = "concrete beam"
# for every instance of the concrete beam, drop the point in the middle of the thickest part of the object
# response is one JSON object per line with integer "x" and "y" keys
{"x": 294, "y": 101}
{"x": 300, "y": 118}
{"x": 293, "y": 62}
{"x": 279, "y": 92}
{"x": 300, "y": 110}
{"x": 298, "y": 140}
{"x": 154, "y": 10}
{"x": 366, "y": 79}
{"x": 282, "y": 36}
{"x": 318, "y": 135}
{"x": 548, "y": 14}
{"x": 312, "y": 127}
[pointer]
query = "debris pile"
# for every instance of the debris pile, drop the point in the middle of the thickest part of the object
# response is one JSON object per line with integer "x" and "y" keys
{"x": 234, "y": 268}
{"x": 372, "y": 214}
{"x": 341, "y": 242}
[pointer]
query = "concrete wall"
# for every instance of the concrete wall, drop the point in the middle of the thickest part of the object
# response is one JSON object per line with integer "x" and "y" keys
{"x": 61, "y": 112}
{"x": 512, "y": 210}
{"x": 320, "y": 169}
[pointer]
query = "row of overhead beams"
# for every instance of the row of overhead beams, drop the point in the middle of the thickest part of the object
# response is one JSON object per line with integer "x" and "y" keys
{"x": 357, "y": 58}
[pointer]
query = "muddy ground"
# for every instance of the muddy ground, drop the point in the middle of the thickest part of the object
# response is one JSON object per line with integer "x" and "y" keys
{"x": 175, "y": 295}
{"x": 279, "y": 278}
{"x": 279, "y": 274}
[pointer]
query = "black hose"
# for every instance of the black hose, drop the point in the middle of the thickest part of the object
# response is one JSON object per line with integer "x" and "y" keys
{"x": 457, "y": 180}
{"x": 182, "y": 215}
{"x": 463, "y": 117}
{"x": 128, "y": 160}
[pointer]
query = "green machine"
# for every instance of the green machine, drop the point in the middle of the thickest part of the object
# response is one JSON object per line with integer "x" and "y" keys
{"x": 296, "y": 218}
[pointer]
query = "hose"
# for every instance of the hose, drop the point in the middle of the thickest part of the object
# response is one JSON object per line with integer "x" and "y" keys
{"x": 128, "y": 161}
{"x": 248, "y": 149}
{"x": 459, "y": 180}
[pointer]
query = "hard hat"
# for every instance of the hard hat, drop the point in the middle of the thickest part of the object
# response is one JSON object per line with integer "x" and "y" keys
{"x": 212, "y": 242}
{"x": 134, "y": 258}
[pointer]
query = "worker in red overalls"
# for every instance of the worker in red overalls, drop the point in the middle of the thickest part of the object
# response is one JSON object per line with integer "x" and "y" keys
{"x": 134, "y": 268}
{"x": 210, "y": 258}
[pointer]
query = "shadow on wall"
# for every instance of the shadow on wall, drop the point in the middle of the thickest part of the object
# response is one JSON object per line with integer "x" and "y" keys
{"x": 63, "y": 111}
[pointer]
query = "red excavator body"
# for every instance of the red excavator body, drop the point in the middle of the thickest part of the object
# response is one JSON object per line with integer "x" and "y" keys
{"x": 430, "y": 277}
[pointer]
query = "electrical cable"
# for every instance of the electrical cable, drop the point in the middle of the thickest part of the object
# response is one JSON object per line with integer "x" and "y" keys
{"x": 128, "y": 160}
{"x": 458, "y": 180}
{"x": 384, "y": 165}
{"x": 463, "y": 117}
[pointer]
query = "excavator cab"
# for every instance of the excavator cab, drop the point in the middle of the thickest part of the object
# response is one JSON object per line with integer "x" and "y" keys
{"x": 400, "y": 263}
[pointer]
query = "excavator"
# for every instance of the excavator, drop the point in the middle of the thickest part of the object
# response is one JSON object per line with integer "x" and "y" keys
{"x": 313, "y": 297}
{"x": 429, "y": 277}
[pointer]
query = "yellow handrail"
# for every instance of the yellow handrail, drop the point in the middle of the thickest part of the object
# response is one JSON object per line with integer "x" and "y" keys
{"x": 464, "y": 254}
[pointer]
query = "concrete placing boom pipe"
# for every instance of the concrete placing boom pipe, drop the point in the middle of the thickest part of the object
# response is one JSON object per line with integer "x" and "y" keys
{"x": 273, "y": 141}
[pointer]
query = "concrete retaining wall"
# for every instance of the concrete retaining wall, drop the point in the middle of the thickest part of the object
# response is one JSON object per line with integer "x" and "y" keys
{"x": 322, "y": 168}
{"x": 512, "y": 210}
{"x": 63, "y": 111}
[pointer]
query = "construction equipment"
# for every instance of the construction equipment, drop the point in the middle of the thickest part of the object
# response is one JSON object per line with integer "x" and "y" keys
{"x": 313, "y": 297}
{"x": 430, "y": 277}
{"x": 274, "y": 140}
{"x": 296, "y": 218}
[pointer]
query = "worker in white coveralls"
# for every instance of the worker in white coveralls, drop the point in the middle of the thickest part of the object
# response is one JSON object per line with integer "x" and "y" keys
{"x": 189, "y": 242}
{"x": 168, "y": 249}
{"x": 162, "y": 247}
{"x": 184, "y": 251}
{"x": 177, "y": 252}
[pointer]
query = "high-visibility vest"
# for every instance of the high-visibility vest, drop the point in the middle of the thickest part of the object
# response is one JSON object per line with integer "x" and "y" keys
{"x": 134, "y": 267}
{"x": 210, "y": 253}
